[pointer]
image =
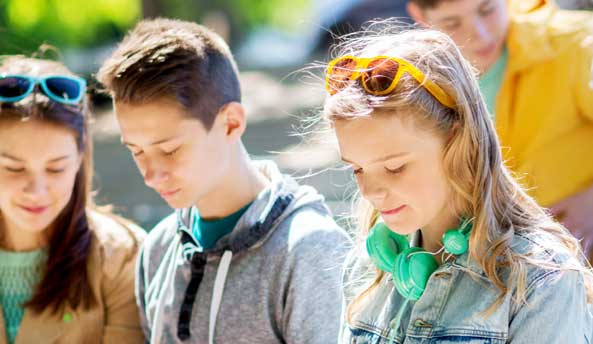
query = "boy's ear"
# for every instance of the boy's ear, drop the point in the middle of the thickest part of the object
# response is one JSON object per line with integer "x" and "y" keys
{"x": 234, "y": 120}
{"x": 416, "y": 13}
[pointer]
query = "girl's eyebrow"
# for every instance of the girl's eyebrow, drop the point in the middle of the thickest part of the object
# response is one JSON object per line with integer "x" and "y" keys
{"x": 60, "y": 158}
{"x": 11, "y": 157}
{"x": 387, "y": 157}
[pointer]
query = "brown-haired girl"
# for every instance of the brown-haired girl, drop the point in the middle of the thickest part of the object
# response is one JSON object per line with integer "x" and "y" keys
{"x": 66, "y": 269}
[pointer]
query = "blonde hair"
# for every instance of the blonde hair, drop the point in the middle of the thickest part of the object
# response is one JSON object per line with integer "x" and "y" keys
{"x": 481, "y": 185}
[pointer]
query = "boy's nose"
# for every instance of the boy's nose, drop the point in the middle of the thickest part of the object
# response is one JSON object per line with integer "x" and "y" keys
{"x": 481, "y": 32}
{"x": 154, "y": 177}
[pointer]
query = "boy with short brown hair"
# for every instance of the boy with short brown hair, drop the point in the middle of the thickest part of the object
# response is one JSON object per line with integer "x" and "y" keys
{"x": 249, "y": 256}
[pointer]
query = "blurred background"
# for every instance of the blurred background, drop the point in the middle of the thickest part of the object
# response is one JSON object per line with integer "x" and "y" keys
{"x": 273, "y": 41}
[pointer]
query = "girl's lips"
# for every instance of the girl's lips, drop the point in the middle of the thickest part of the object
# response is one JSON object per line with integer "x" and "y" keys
{"x": 393, "y": 211}
{"x": 34, "y": 210}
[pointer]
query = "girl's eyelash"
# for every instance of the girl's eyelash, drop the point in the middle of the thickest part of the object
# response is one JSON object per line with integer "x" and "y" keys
{"x": 56, "y": 171}
{"x": 396, "y": 170}
{"x": 392, "y": 171}
{"x": 49, "y": 170}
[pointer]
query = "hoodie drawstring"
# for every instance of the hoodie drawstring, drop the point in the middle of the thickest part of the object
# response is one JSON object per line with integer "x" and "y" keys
{"x": 223, "y": 269}
{"x": 198, "y": 264}
{"x": 158, "y": 320}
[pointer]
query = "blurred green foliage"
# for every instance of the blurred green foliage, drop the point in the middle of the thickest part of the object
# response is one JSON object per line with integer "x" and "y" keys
{"x": 26, "y": 24}
{"x": 242, "y": 16}
{"x": 251, "y": 13}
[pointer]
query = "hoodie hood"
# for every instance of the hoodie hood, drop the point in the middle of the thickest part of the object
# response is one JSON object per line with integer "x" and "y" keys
{"x": 280, "y": 199}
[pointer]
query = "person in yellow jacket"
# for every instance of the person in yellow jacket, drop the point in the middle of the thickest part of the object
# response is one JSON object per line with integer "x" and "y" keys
{"x": 66, "y": 267}
{"x": 536, "y": 74}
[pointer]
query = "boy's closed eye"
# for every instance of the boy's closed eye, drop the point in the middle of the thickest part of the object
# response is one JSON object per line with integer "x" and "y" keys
{"x": 487, "y": 9}
{"x": 135, "y": 152}
{"x": 14, "y": 169}
{"x": 170, "y": 150}
{"x": 451, "y": 24}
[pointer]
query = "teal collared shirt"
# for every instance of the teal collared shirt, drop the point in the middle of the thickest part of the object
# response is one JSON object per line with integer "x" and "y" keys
{"x": 207, "y": 232}
{"x": 491, "y": 81}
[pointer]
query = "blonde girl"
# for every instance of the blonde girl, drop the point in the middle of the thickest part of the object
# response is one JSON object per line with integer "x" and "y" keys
{"x": 451, "y": 249}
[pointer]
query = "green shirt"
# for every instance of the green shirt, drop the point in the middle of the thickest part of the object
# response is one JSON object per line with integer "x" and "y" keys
{"x": 491, "y": 81}
{"x": 19, "y": 274}
{"x": 207, "y": 232}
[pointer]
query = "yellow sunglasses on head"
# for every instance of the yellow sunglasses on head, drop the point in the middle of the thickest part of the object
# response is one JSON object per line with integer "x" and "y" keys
{"x": 378, "y": 75}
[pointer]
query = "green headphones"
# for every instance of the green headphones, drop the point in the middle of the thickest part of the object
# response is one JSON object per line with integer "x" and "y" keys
{"x": 411, "y": 267}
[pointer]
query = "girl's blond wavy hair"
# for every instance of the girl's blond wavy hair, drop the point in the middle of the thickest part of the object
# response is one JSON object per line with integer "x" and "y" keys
{"x": 482, "y": 187}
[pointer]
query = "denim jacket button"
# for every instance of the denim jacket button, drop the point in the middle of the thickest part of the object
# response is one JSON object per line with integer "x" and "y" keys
{"x": 443, "y": 275}
{"x": 422, "y": 323}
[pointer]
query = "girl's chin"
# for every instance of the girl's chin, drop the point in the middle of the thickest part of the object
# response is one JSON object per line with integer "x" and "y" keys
{"x": 400, "y": 228}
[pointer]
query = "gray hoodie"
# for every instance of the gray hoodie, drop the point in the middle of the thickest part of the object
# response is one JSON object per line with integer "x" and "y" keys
{"x": 274, "y": 279}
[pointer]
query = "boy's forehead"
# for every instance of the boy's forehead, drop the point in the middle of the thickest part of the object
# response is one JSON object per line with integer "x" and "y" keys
{"x": 147, "y": 123}
{"x": 455, "y": 8}
{"x": 161, "y": 110}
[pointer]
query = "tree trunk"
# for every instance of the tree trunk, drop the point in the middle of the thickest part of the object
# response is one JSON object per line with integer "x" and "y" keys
{"x": 151, "y": 8}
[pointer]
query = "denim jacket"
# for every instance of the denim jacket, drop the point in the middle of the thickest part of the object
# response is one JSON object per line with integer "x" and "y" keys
{"x": 452, "y": 308}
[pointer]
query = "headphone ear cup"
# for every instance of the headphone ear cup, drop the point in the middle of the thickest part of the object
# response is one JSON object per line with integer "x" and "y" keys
{"x": 455, "y": 242}
{"x": 412, "y": 272}
{"x": 383, "y": 245}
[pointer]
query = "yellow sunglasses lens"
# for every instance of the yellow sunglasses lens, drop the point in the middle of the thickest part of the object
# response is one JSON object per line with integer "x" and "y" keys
{"x": 379, "y": 75}
{"x": 340, "y": 74}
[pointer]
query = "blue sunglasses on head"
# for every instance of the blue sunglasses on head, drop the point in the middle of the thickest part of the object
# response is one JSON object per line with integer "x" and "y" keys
{"x": 63, "y": 89}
